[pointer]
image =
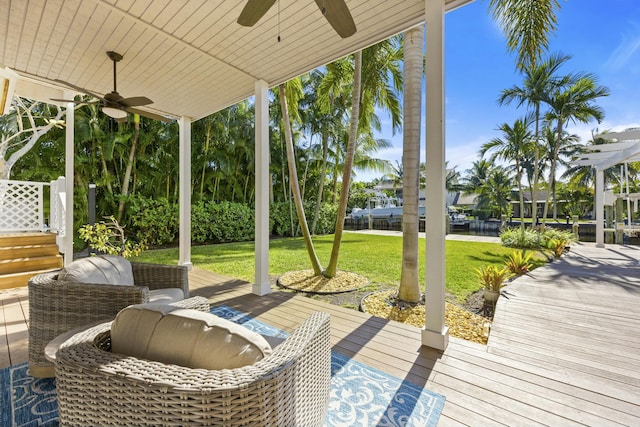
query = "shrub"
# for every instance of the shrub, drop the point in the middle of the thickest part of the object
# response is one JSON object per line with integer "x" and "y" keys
{"x": 109, "y": 238}
{"x": 518, "y": 263}
{"x": 482, "y": 214}
{"x": 154, "y": 221}
{"x": 557, "y": 246}
{"x": 521, "y": 238}
{"x": 549, "y": 234}
{"x": 230, "y": 222}
{"x": 491, "y": 277}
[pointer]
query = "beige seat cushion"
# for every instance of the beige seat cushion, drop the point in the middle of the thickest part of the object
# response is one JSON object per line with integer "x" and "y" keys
{"x": 103, "y": 269}
{"x": 185, "y": 337}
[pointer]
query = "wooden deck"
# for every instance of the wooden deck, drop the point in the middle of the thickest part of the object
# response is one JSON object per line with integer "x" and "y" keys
{"x": 564, "y": 348}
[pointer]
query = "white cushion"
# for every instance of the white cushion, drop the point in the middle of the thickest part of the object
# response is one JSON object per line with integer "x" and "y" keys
{"x": 165, "y": 295}
{"x": 103, "y": 269}
{"x": 185, "y": 337}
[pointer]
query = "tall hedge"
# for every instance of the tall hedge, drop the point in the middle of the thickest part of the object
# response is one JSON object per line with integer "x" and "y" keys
{"x": 156, "y": 221}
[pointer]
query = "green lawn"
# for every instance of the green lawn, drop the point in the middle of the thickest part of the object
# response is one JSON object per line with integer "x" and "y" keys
{"x": 376, "y": 257}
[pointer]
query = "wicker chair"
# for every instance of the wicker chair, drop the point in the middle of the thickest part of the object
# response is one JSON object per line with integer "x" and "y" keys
{"x": 289, "y": 387}
{"x": 57, "y": 306}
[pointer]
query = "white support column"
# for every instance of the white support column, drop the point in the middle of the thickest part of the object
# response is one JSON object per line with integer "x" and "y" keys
{"x": 69, "y": 152}
{"x": 184, "y": 123}
{"x": 436, "y": 333}
{"x": 261, "y": 284}
{"x": 599, "y": 208}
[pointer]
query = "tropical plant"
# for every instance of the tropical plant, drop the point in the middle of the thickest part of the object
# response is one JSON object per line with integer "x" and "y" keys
{"x": 346, "y": 176}
{"x": 109, "y": 237}
{"x": 293, "y": 178}
{"x": 499, "y": 190}
{"x": 515, "y": 144}
{"x": 491, "y": 277}
{"x": 574, "y": 103}
{"x": 527, "y": 25}
{"x": 538, "y": 82}
{"x": 557, "y": 246}
{"x": 527, "y": 238}
{"x": 519, "y": 262}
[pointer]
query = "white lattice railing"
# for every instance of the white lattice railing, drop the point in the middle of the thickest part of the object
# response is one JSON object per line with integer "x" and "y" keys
{"x": 22, "y": 207}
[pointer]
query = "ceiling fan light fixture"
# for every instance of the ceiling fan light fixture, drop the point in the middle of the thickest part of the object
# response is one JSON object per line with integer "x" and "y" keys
{"x": 115, "y": 113}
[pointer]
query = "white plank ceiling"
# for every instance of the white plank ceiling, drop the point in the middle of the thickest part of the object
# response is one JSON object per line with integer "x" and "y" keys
{"x": 189, "y": 56}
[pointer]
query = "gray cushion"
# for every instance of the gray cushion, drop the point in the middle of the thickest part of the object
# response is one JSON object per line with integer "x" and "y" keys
{"x": 103, "y": 269}
{"x": 165, "y": 295}
{"x": 185, "y": 337}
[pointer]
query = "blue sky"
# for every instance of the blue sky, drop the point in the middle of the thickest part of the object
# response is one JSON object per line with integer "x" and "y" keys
{"x": 602, "y": 36}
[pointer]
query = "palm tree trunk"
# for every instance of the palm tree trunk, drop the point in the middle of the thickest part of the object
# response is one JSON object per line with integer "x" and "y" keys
{"x": 520, "y": 194}
{"x": 206, "y": 152}
{"x": 129, "y": 168}
{"x": 409, "y": 289}
{"x": 348, "y": 164}
{"x": 536, "y": 160}
{"x": 293, "y": 178}
{"x": 323, "y": 172}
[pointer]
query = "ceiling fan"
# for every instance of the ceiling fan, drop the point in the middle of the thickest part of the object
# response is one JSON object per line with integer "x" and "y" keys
{"x": 113, "y": 104}
{"x": 335, "y": 11}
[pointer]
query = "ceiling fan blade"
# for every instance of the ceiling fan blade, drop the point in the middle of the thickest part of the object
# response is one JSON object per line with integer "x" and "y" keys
{"x": 338, "y": 15}
{"x": 253, "y": 11}
{"x": 136, "y": 101}
{"x": 148, "y": 114}
{"x": 78, "y": 89}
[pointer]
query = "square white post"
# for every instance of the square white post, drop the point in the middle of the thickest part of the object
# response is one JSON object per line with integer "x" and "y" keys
{"x": 436, "y": 333}
{"x": 184, "y": 124}
{"x": 261, "y": 284}
{"x": 599, "y": 208}
{"x": 69, "y": 152}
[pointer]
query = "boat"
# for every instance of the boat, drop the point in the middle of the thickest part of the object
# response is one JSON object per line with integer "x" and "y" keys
{"x": 382, "y": 207}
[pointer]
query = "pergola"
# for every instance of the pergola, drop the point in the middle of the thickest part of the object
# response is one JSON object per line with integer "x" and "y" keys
{"x": 603, "y": 156}
{"x": 192, "y": 59}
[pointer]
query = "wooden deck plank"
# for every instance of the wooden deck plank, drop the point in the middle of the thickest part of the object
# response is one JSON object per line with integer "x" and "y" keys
{"x": 5, "y": 358}
{"x": 585, "y": 399}
{"x": 16, "y": 329}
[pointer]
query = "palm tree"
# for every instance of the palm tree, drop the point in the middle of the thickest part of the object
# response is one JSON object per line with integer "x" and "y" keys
{"x": 539, "y": 81}
{"x": 526, "y": 25}
{"x": 396, "y": 174}
{"x": 515, "y": 144}
{"x": 293, "y": 178}
{"x": 475, "y": 178}
{"x": 499, "y": 189}
{"x": 377, "y": 77}
{"x": 346, "y": 176}
{"x": 409, "y": 289}
{"x": 573, "y": 104}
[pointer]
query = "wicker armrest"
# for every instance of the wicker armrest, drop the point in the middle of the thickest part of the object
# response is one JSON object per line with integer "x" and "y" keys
{"x": 287, "y": 388}
{"x": 56, "y": 307}
{"x": 158, "y": 276}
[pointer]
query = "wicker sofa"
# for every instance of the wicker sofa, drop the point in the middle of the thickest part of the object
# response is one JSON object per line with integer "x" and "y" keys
{"x": 289, "y": 387}
{"x": 57, "y": 306}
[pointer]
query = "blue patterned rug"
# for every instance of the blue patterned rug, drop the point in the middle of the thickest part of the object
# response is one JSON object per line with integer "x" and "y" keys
{"x": 360, "y": 395}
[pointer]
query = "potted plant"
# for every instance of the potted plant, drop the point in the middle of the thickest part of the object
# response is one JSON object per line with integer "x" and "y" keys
{"x": 492, "y": 279}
